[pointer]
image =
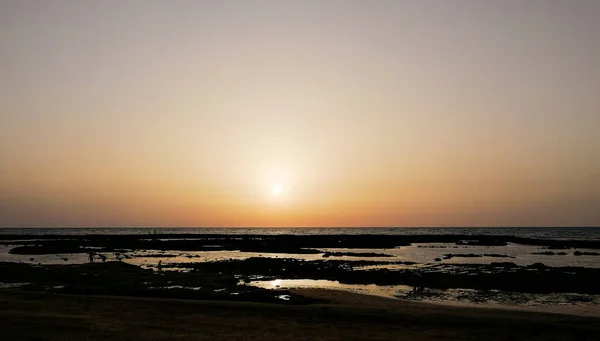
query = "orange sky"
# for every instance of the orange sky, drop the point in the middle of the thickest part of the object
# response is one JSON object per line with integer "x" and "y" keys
{"x": 408, "y": 113}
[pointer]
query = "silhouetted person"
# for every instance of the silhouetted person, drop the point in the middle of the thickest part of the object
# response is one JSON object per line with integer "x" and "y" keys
{"x": 159, "y": 265}
{"x": 102, "y": 257}
{"x": 91, "y": 256}
{"x": 417, "y": 282}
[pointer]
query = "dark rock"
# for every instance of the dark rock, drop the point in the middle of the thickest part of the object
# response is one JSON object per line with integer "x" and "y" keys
{"x": 558, "y": 247}
{"x": 579, "y": 253}
{"x": 537, "y": 266}
{"x": 52, "y": 244}
{"x": 504, "y": 264}
{"x": 469, "y": 255}
{"x": 550, "y": 253}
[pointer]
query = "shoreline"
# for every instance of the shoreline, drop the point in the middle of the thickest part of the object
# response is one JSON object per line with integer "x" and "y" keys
{"x": 573, "y": 309}
{"x": 357, "y": 298}
{"x": 248, "y": 267}
{"x": 403, "y": 294}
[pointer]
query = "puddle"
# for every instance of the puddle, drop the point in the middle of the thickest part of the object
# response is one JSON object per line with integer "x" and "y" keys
{"x": 175, "y": 287}
{"x": 390, "y": 267}
{"x": 284, "y": 297}
{"x": 11, "y": 285}
{"x": 368, "y": 289}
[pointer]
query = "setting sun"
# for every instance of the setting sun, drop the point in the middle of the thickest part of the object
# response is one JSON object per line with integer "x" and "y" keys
{"x": 276, "y": 189}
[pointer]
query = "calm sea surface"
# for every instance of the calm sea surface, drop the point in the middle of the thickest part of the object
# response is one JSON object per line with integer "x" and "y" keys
{"x": 548, "y": 233}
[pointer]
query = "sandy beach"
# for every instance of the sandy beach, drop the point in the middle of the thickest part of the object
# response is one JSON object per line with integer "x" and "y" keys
{"x": 34, "y": 316}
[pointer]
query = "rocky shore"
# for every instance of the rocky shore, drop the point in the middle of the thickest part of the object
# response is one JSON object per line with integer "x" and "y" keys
{"x": 226, "y": 279}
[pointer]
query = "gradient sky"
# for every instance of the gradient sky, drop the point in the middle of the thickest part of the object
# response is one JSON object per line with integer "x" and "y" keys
{"x": 365, "y": 113}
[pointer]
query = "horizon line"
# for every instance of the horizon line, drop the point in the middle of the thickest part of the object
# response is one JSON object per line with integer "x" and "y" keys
{"x": 280, "y": 227}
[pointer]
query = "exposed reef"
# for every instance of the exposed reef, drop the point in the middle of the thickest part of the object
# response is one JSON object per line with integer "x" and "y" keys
{"x": 52, "y": 244}
{"x": 536, "y": 278}
{"x": 121, "y": 279}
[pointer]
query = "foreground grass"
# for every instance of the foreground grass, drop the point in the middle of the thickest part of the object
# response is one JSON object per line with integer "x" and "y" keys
{"x": 32, "y": 316}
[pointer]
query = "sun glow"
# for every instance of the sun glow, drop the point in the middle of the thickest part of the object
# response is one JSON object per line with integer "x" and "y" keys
{"x": 276, "y": 189}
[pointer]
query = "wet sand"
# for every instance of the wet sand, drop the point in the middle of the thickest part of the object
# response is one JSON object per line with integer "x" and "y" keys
{"x": 38, "y": 316}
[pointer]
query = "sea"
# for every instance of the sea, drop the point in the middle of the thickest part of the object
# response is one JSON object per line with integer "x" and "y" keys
{"x": 558, "y": 233}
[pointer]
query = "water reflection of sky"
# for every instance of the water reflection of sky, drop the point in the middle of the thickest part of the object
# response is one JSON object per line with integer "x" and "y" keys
{"x": 370, "y": 289}
{"x": 581, "y": 233}
{"x": 421, "y": 254}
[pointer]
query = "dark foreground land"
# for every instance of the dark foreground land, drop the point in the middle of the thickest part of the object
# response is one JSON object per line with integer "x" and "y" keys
{"x": 40, "y": 316}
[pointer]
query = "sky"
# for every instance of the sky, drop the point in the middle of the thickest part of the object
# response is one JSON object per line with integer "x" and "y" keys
{"x": 299, "y": 113}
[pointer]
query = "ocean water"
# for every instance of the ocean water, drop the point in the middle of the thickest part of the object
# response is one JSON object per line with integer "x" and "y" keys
{"x": 580, "y": 233}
